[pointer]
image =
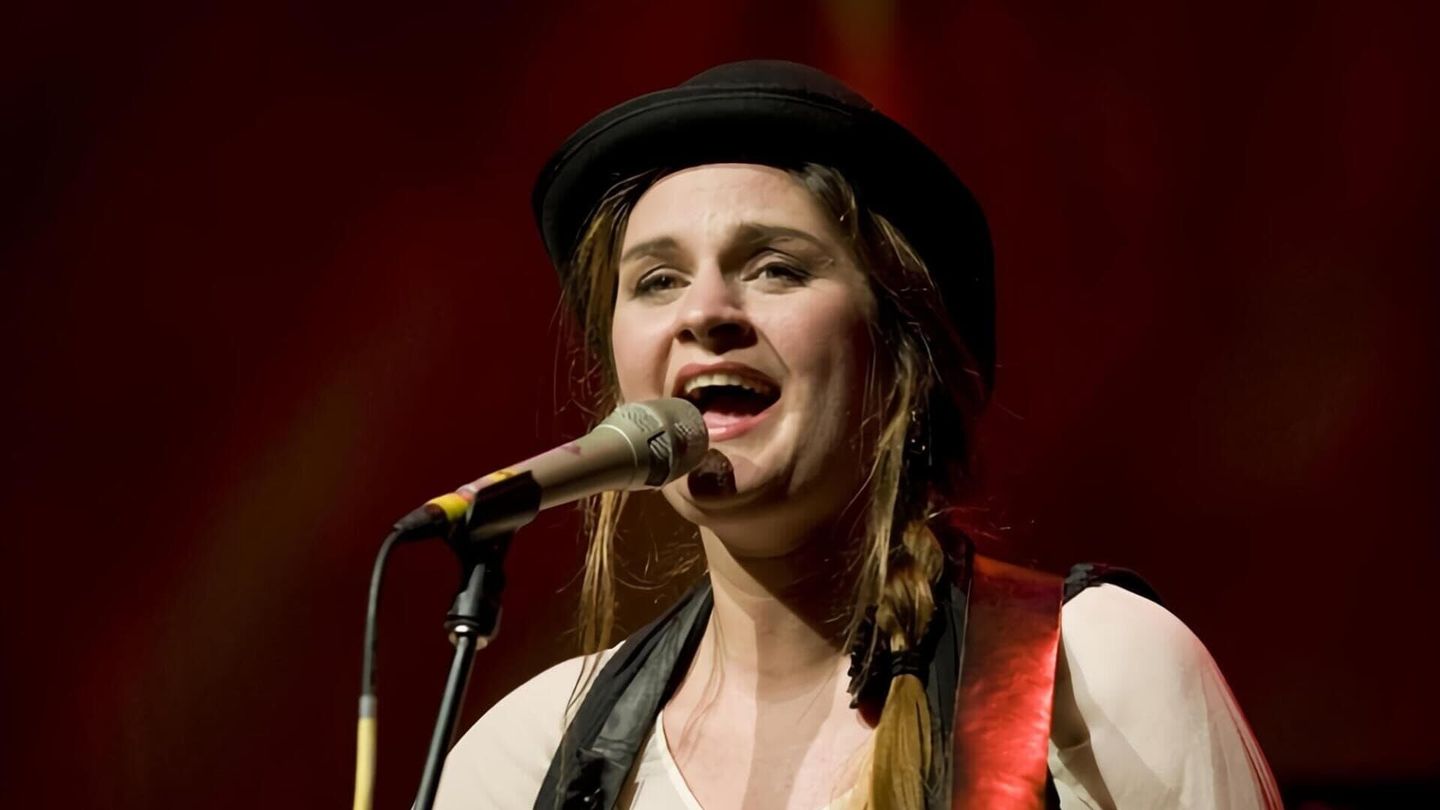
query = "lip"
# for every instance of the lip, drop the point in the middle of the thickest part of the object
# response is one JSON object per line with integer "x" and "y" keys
{"x": 730, "y": 428}
{"x": 690, "y": 371}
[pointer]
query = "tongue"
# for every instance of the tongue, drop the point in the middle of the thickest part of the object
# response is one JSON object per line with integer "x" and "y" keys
{"x": 715, "y": 419}
{"x": 723, "y": 408}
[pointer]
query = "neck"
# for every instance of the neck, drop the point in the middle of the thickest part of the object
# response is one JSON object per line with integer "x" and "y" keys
{"x": 779, "y": 622}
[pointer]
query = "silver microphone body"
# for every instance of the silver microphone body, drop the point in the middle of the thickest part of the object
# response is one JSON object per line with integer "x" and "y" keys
{"x": 641, "y": 445}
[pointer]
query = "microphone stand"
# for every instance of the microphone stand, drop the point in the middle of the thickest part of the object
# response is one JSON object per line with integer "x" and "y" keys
{"x": 480, "y": 544}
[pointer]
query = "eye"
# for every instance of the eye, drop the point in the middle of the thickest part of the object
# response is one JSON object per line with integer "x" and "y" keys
{"x": 784, "y": 272}
{"x": 658, "y": 280}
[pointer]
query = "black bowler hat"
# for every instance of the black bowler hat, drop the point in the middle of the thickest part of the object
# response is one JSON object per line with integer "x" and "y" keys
{"x": 784, "y": 114}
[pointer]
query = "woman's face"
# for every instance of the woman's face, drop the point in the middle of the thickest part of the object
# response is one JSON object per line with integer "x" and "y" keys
{"x": 737, "y": 291}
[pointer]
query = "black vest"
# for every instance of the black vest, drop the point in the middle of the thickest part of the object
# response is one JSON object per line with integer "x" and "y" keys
{"x": 601, "y": 744}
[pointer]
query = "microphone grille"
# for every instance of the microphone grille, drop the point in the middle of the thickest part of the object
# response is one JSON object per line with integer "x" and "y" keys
{"x": 674, "y": 432}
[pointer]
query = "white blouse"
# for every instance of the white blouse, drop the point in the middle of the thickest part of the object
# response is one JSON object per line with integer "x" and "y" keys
{"x": 657, "y": 783}
{"x": 1144, "y": 719}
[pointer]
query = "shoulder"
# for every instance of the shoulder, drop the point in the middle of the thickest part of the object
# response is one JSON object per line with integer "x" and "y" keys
{"x": 1118, "y": 640}
{"x": 501, "y": 760}
{"x": 1143, "y": 713}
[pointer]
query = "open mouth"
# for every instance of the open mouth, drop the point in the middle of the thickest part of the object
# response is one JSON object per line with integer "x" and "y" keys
{"x": 729, "y": 401}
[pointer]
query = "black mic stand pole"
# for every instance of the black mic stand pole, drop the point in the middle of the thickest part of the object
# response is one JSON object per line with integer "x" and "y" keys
{"x": 480, "y": 544}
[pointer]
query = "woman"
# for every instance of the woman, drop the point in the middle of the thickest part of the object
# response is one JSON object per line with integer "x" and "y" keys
{"x": 763, "y": 242}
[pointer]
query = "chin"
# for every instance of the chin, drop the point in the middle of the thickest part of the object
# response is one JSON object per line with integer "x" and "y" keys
{"x": 703, "y": 510}
{"x": 761, "y": 519}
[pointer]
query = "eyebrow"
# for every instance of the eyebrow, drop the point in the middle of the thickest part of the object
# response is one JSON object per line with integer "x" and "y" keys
{"x": 663, "y": 246}
{"x": 755, "y": 233}
{"x": 742, "y": 236}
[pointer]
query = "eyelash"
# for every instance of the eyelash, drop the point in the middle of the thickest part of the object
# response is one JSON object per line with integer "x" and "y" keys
{"x": 661, "y": 279}
{"x": 652, "y": 282}
{"x": 791, "y": 272}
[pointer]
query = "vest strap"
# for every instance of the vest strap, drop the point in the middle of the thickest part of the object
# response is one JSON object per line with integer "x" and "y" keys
{"x": 1007, "y": 684}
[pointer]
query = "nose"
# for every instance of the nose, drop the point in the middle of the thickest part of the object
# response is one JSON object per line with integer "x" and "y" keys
{"x": 713, "y": 314}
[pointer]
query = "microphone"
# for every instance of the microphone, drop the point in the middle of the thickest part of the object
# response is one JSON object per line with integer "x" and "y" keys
{"x": 641, "y": 445}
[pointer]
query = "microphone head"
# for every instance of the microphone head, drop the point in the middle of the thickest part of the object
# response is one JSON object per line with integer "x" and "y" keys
{"x": 673, "y": 431}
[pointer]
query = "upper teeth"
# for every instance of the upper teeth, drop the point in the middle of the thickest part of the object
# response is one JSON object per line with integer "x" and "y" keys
{"x": 703, "y": 380}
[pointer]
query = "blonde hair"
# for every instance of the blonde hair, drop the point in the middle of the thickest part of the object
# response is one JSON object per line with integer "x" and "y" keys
{"x": 922, "y": 397}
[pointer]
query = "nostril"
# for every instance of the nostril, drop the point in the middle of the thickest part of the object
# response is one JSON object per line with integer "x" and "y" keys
{"x": 726, "y": 327}
{"x": 728, "y": 334}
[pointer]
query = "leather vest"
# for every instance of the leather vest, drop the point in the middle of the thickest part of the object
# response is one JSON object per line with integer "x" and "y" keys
{"x": 990, "y": 686}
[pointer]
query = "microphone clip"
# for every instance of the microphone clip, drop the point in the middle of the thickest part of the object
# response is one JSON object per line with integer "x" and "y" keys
{"x": 480, "y": 543}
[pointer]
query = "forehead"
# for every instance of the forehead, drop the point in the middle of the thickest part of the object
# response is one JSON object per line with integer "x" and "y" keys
{"x": 713, "y": 200}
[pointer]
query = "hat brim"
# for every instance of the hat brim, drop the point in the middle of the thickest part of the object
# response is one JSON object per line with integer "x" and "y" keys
{"x": 892, "y": 171}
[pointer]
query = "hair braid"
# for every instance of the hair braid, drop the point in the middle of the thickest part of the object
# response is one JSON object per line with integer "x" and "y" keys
{"x": 902, "y": 764}
{"x": 903, "y": 559}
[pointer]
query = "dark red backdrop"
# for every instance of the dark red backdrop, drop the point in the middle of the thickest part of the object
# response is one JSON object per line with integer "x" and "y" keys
{"x": 270, "y": 280}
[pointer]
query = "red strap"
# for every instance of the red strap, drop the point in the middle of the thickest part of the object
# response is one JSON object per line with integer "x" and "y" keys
{"x": 1007, "y": 685}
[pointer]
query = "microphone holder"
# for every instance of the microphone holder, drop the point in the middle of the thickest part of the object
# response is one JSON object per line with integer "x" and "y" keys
{"x": 480, "y": 544}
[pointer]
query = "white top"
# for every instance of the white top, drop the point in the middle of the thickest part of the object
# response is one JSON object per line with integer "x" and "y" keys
{"x": 1143, "y": 719}
{"x": 657, "y": 783}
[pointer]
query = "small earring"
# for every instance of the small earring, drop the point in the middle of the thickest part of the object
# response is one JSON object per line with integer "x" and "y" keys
{"x": 917, "y": 439}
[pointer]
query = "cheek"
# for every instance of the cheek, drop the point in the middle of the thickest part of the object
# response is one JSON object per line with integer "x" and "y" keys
{"x": 830, "y": 346}
{"x": 638, "y": 345}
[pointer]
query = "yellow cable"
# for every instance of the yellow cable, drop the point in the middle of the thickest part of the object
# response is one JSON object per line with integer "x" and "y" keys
{"x": 365, "y": 763}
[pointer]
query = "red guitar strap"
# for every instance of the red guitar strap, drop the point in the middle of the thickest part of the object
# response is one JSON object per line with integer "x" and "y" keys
{"x": 1007, "y": 685}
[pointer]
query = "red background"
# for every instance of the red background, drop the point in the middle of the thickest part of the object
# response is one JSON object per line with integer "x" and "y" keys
{"x": 270, "y": 280}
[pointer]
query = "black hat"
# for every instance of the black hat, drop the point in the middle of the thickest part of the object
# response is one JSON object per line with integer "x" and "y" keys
{"x": 784, "y": 114}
